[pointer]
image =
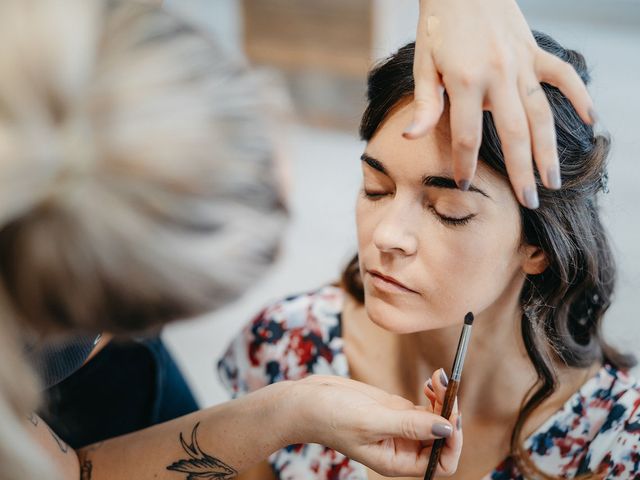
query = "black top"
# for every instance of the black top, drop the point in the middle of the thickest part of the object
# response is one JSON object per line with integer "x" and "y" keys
{"x": 125, "y": 387}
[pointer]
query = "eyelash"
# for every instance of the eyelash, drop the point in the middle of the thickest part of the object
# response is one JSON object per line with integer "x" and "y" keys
{"x": 458, "y": 222}
{"x": 442, "y": 218}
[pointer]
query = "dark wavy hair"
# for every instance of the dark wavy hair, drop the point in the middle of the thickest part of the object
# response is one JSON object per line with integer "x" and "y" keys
{"x": 562, "y": 307}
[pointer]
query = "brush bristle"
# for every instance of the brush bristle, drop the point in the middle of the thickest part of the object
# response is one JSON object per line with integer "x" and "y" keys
{"x": 468, "y": 319}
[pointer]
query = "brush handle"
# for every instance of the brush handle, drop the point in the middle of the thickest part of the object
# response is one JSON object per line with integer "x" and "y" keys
{"x": 447, "y": 408}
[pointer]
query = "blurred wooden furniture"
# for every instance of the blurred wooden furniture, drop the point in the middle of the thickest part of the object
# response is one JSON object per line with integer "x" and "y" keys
{"x": 323, "y": 49}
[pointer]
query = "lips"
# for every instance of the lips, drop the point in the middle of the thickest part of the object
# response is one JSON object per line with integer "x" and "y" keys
{"x": 388, "y": 281}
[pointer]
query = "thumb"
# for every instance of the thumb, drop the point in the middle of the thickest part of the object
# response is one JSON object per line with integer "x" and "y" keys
{"x": 414, "y": 424}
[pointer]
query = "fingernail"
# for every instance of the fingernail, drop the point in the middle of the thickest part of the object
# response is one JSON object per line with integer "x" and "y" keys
{"x": 441, "y": 430}
{"x": 464, "y": 185}
{"x": 553, "y": 177}
{"x": 593, "y": 116}
{"x": 459, "y": 422}
{"x": 443, "y": 378}
{"x": 531, "y": 198}
{"x": 430, "y": 385}
{"x": 409, "y": 130}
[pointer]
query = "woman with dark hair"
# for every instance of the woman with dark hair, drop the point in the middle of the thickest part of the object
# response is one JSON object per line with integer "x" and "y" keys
{"x": 543, "y": 396}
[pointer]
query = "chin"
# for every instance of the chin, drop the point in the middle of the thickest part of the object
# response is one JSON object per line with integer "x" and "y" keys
{"x": 394, "y": 319}
{"x": 404, "y": 319}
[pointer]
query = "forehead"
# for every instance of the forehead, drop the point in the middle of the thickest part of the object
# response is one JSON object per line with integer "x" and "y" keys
{"x": 431, "y": 152}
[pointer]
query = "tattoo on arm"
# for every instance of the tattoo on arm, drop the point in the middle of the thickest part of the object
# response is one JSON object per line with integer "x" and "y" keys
{"x": 35, "y": 421}
{"x": 86, "y": 467}
{"x": 64, "y": 448}
{"x": 199, "y": 465}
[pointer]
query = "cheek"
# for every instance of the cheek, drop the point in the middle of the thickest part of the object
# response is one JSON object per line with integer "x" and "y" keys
{"x": 477, "y": 265}
{"x": 481, "y": 266}
{"x": 366, "y": 220}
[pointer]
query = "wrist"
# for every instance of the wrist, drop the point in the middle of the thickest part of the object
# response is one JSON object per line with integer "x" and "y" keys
{"x": 285, "y": 414}
{"x": 306, "y": 413}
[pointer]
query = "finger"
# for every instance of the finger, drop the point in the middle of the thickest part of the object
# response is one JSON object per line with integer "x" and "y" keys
{"x": 413, "y": 425}
{"x": 513, "y": 130}
{"x": 450, "y": 455}
{"x": 543, "y": 132}
{"x": 466, "y": 133}
{"x": 428, "y": 90}
{"x": 562, "y": 75}
{"x": 440, "y": 381}
{"x": 430, "y": 393}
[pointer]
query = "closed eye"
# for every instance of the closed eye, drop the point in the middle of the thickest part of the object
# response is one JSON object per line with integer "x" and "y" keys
{"x": 445, "y": 219}
{"x": 374, "y": 195}
{"x": 455, "y": 221}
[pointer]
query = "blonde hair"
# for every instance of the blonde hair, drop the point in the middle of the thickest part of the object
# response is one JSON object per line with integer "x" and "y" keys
{"x": 136, "y": 165}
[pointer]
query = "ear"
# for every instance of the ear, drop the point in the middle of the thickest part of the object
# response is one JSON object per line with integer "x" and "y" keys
{"x": 534, "y": 260}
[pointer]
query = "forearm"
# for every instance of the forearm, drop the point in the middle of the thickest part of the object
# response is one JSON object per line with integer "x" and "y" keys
{"x": 218, "y": 442}
{"x": 222, "y": 440}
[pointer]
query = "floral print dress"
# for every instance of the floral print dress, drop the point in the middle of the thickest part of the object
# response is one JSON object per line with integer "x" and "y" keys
{"x": 597, "y": 430}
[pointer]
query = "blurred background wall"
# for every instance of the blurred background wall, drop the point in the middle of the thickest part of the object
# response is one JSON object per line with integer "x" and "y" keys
{"x": 321, "y": 52}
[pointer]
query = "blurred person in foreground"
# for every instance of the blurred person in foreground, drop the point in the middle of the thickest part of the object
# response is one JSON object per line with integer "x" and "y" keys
{"x": 139, "y": 188}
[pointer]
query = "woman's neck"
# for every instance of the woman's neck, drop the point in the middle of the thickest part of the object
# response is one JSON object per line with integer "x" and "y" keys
{"x": 497, "y": 372}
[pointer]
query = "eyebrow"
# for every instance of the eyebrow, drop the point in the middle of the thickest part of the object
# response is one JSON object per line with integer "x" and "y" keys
{"x": 434, "y": 181}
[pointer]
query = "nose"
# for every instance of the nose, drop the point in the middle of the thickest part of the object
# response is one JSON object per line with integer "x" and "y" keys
{"x": 395, "y": 232}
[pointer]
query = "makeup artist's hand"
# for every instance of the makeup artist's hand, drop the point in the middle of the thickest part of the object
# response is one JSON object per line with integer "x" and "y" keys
{"x": 484, "y": 54}
{"x": 435, "y": 389}
{"x": 387, "y": 433}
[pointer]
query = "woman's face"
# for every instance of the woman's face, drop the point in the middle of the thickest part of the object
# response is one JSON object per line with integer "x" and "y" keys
{"x": 429, "y": 252}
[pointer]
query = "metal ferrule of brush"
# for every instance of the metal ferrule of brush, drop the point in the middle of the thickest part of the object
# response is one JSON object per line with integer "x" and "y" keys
{"x": 461, "y": 352}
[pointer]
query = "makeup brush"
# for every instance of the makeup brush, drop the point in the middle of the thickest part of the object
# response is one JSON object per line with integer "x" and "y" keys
{"x": 451, "y": 393}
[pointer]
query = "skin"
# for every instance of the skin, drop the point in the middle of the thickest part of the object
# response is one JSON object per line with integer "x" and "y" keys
{"x": 483, "y": 53}
{"x": 401, "y": 337}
